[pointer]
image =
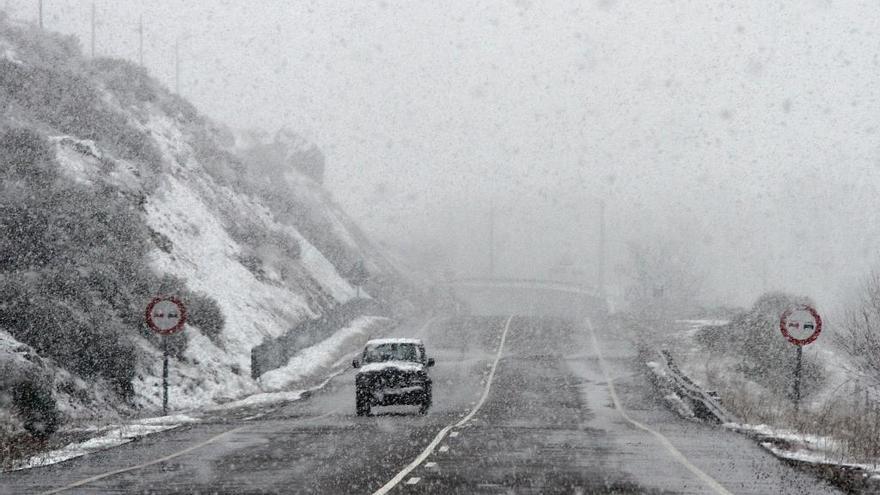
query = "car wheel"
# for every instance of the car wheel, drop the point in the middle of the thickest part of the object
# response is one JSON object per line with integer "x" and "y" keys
{"x": 362, "y": 403}
{"x": 426, "y": 401}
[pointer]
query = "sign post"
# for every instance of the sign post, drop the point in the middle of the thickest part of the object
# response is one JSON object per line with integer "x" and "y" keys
{"x": 165, "y": 315}
{"x": 800, "y": 326}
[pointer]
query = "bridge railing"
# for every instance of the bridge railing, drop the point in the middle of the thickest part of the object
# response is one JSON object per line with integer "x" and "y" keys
{"x": 525, "y": 282}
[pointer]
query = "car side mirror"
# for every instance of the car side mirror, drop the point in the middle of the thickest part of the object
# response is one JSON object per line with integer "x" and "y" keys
{"x": 430, "y": 362}
{"x": 356, "y": 363}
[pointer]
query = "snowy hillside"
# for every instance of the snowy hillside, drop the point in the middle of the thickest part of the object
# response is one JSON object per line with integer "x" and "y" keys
{"x": 209, "y": 227}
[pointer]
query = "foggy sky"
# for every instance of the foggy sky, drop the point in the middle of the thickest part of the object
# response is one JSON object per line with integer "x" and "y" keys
{"x": 746, "y": 130}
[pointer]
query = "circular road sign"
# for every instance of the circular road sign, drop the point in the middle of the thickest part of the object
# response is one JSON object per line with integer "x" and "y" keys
{"x": 166, "y": 315}
{"x": 801, "y": 325}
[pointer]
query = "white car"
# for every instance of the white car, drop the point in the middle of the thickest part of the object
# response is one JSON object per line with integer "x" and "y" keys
{"x": 393, "y": 371}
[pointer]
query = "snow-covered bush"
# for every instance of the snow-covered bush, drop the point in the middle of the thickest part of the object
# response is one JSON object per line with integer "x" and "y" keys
{"x": 26, "y": 389}
{"x": 204, "y": 313}
{"x": 74, "y": 277}
{"x": 763, "y": 355}
{"x": 37, "y": 408}
{"x": 69, "y": 102}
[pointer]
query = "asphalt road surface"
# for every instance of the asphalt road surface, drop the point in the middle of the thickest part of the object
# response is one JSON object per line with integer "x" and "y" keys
{"x": 521, "y": 405}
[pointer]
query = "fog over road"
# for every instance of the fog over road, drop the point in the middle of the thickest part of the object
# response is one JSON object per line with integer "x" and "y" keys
{"x": 548, "y": 424}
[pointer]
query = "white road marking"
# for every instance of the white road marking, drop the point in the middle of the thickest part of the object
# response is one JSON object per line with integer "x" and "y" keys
{"x": 442, "y": 434}
{"x": 413, "y": 480}
{"x": 165, "y": 458}
{"x": 139, "y": 466}
{"x": 444, "y": 448}
{"x": 678, "y": 456}
{"x": 216, "y": 437}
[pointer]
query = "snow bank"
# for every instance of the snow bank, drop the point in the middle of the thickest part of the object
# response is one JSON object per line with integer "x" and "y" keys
{"x": 811, "y": 449}
{"x": 322, "y": 356}
{"x": 111, "y": 437}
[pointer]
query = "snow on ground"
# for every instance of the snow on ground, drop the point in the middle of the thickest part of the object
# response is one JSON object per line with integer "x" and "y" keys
{"x": 781, "y": 442}
{"x": 203, "y": 378}
{"x": 263, "y": 399}
{"x": 8, "y": 52}
{"x": 187, "y": 207}
{"x": 75, "y": 398}
{"x": 307, "y": 364}
{"x": 16, "y": 355}
{"x": 322, "y": 355}
{"x": 673, "y": 400}
{"x": 812, "y": 449}
{"x": 316, "y": 361}
{"x": 694, "y": 326}
{"x": 699, "y": 365}
{"x": 110, "y": 437}
{"x": 206, "y": 256}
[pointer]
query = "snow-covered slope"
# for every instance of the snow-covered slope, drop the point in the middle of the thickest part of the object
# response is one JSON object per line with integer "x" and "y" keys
{"x": 210, "y": 224}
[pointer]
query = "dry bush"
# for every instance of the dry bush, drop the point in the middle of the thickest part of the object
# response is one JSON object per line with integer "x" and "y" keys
{"x": 859, "y": 336}
{"x": 850, "y": 420}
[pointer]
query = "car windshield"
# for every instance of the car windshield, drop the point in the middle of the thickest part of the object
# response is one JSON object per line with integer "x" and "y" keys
{"x": 392, "y": 352}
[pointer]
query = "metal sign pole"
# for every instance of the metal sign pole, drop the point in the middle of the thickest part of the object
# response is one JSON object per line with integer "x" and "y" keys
{"x": 165, "y": 375}
{"x": 797, "y": 379}
{"x": 801, "y": 319}
{"x": 165, "y": 315}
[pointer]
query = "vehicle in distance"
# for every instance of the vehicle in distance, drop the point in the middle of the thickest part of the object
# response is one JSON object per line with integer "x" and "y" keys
{"x": 393, "y": 372}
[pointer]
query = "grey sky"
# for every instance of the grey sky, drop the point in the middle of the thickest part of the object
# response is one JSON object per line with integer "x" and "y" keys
{"x": 747, "y": 129}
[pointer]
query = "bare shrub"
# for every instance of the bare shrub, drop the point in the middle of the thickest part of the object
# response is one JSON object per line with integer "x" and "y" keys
{"x": 859, "y": 335}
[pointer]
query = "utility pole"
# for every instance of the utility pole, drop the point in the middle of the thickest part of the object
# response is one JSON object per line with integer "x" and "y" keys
{"x": 93, "y": 29}
{"x": 601, "y": 258}
{"x": 177, "y": 66}
{"x": 492, "y": 241}
{"x": 141, "y": 40}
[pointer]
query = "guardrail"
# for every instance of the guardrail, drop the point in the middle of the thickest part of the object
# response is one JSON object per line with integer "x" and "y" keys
{"x": 705, "y": 404}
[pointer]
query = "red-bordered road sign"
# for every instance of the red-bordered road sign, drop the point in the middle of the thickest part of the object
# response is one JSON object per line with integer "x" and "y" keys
{"x": 801, "y": 325}
{"x": 165, "y": 315}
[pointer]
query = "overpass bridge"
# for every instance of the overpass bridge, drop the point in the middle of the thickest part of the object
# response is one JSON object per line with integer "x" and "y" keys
{"x": 525, "y": 297}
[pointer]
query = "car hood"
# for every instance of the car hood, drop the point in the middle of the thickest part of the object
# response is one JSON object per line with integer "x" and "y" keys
{"x": 388, "y": 365}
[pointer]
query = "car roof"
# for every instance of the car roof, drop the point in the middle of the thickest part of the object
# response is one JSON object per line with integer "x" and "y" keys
{"x": 376, "y": 342}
